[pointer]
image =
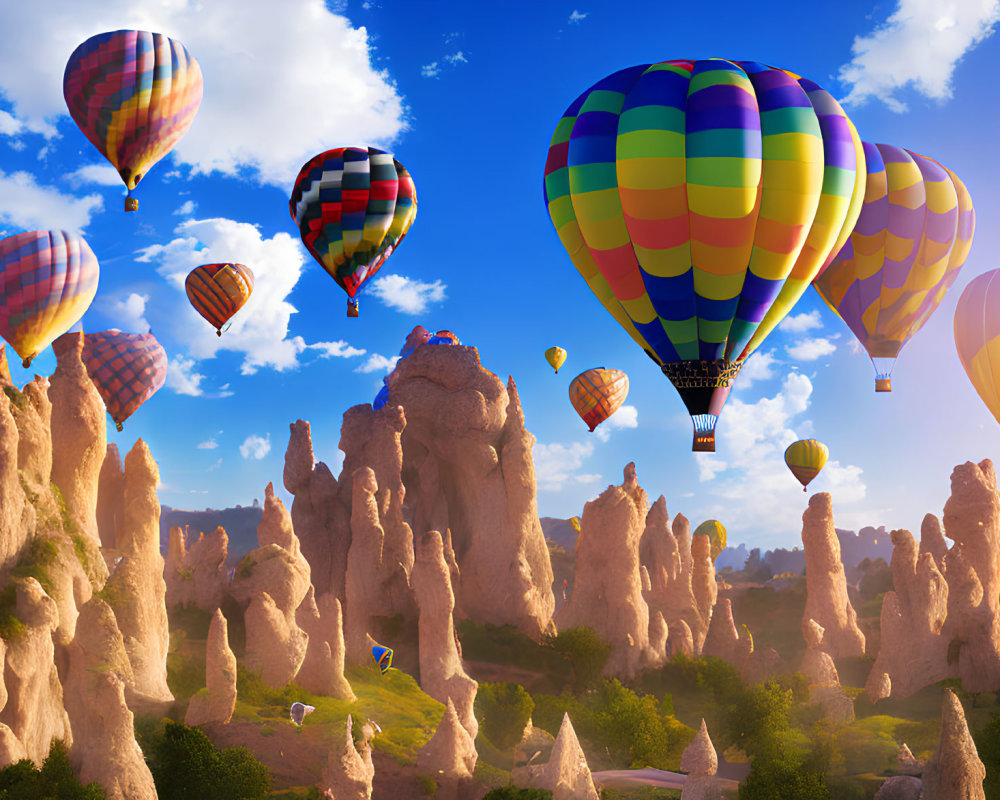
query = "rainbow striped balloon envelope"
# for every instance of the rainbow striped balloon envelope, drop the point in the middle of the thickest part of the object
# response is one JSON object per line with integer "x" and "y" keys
{"x": 698, "y": 199}
{"x": 218, "y": 291}
{"x": 47, "y": 281}
{"x": 134, "y": 94}
{"x": 911, "y": 239}
{"x": 353, "y": 206}
{"x": 977, "y": 336}
{"x": 597, "y": 394}
{"x": 126, "y": 368}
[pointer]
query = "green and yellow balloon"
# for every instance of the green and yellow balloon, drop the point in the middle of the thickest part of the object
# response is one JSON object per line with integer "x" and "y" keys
{"x": 716, "y": 534}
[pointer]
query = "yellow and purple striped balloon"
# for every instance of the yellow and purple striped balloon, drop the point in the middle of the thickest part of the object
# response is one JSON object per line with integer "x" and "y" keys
{"x": 977, "y": 336}
{"x": 911, "y": 239}
{"x": 134, "y": 94}
{"x": 699, "y": 199}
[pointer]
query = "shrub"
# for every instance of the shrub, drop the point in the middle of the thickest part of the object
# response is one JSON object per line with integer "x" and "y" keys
{"x": 583, "y": 649}
{"x": 503, "y": 710}
{"x": 516, "y": 793}
{"x": 185, "y": 764}
{"x": 54, "y": 781}
{"x": 987, "y": 741}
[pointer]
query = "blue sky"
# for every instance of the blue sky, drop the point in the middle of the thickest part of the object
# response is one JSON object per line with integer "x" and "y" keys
{"x": 466, "y": 95}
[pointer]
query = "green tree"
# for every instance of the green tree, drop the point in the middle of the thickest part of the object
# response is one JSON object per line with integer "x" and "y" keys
{"x": 987, "y": 741}
{"x": 584, "y": 651}
{"x": 516, "y": 793}
{"x": 54, "y": 781}
{"x": 630, "y": 726}
{"x": 782, "y": 774}
{"x": 503, "y": 710}
{"x": 186, "y": 765}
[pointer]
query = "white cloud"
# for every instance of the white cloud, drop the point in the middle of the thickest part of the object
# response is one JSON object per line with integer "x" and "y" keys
{"x": 338, "y": 349}
{"x": 577, "y": 16}
{"x": 378, "y": 363}
{"x": 800, "y": 323}
{"x": 457, "y": 58}
{"x": 128, "y": 314}
{"x": 255, "y": 446}
{"x": 405, "y": 294}
{"x": 214, "y": 466}
{"x": 265, "y": 63}
{"x": 260, "y": 329}
{"x": 431, "y": 70}
{"x": 186, "y": 209}
{"x": 855, "y": 347}
{"x": 12, "y": 126}
{"x": 810, "y": 349}
{"x": 755, "y": 368}
{"x": 209, "y": 444}
{"x": 182, "y": 378}
{"x": 27, "y": 205}
{"x": 625, "y": 417}
{"x": 101, "y": 174}
{"x": 557, "y": 464}
{"x": 920, "y": 44}
{"x": 754, "y": 492}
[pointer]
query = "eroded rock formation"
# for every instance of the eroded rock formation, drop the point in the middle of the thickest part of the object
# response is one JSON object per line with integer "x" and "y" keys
{"x": 322, "y": 670}
{"x": 449, "y": 757}
{"x": 826, "y": 587}
{"x": 955, "y": 770}
{"x": 218, "y": 701}
{"x": 607, "y": 587}
{"x": 196, "y": 576}
{"x": 349, "y": 772}
{"x": 700, "y": 761}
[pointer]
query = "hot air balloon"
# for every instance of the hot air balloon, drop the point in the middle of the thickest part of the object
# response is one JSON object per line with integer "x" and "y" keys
{"x": 556, "y": 357}
{"x": 134, "y": 94}
{"x": 977, "y": 336}
{"x": 126, "y": 368}
{"x": 805, "y": 458}
{"x": 716, "y": 534}
{"x": 299, "y": 711}
{"x": 699, "y": 199}
{"x": 575, "y": 522}
{"x": 913, "y": 235}
{"x": 443, "y": 337}
{"x": 353, "y": 206}
{"x": 218, "y": 291}
{"x": 597, "y": 394}
{"x": 383, "y": 657}
{"x": 47, "y": 281}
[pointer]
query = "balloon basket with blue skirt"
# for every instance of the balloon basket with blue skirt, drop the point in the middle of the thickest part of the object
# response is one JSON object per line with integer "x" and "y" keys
{"x": 704, "y": 387}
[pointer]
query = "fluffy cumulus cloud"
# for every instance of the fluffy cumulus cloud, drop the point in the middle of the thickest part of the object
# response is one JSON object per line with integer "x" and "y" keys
{"x": 208, "y": 444}
{"x": 99, "y": 174}
{"x": 919, "y": 45}
{"x": 749, "y": 476}
{"x": 625, "y": 417}
{"x": 128, "y": 312}
{"x": 800, "y": 323}
{"x": 378, "y": 363}
{"x": 186, "y": 209}
{"x": 256, "y": 446}
{"x": 405, "y": 294}
{"x": 756, "y": 368}
{"x": 557, "y": 465}
{"x": 810, "y": 349}
{"x": 265, "y": 63}
{"x": 183, "y": 377}
{"x": 338, "y": 349}
{"x": 26, "y": 204}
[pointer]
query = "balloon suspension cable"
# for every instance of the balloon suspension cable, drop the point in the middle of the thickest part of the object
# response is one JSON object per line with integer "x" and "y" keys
{"x": 883, "y": 373}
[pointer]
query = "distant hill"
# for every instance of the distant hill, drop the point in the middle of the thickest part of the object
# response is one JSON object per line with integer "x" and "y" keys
{"x": 240, "y": 524}
{"x": 560, "y": 531}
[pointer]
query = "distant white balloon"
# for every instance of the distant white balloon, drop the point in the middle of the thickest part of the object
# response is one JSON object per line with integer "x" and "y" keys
{"x": 300, "y": 711}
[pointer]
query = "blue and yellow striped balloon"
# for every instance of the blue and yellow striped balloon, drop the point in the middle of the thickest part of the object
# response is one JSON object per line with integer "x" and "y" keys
{"x": 698, "y": 199}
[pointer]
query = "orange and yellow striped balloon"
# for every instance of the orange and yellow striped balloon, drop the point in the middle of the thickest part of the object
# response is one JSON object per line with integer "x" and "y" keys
{"x": 977, "y": 336}
{"x": 805, "y": 458}
{"x": 218, "y": 291}
{"x": 597, "y": 394}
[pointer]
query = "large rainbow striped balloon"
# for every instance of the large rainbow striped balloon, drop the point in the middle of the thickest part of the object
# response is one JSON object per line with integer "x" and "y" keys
{"x": 913, "y": 235}
{"x": 134, "y": 94}
{"x": 699, "y": 199}
{"x": 48, "y": 280}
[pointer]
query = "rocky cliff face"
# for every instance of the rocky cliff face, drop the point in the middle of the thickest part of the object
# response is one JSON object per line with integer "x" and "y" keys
{"x": 607, "y": 584}
{"x": 826, "y": 587}
{"x": 196, "y": 575}
{"x": 955, "y": 770}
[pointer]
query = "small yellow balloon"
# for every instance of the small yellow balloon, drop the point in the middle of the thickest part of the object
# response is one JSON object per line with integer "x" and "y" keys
{"x": 716, "y": 534}
{"x": 805, "y": 458}
{"x": 575, "y": 522}
{"x": 556, "y": 356}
